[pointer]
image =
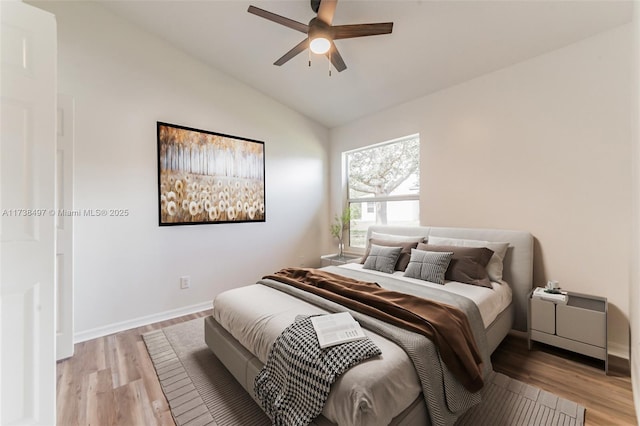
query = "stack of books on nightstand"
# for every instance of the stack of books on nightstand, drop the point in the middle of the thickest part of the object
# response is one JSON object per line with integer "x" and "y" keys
{"x": 541, "y": 293}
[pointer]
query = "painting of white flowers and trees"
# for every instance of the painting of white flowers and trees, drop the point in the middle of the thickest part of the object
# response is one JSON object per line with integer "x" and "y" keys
{"x": 207, "y": 177}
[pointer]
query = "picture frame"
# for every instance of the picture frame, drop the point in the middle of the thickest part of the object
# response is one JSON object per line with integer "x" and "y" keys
{"x": 207, "y": 177}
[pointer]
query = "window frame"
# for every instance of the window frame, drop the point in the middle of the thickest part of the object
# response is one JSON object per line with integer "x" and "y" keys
{"x": 347, "y": 200}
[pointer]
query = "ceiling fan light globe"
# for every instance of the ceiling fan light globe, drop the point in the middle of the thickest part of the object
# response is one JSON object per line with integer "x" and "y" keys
{"x": 320, "y": 45}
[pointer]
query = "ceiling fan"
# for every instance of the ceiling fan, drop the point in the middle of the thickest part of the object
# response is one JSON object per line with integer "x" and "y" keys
{"x": 320, "y": 33}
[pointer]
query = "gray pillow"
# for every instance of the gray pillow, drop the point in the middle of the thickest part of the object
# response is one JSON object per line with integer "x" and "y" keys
{"x": 382, "y": 259}
{"x": 405, "y": 253}
{"x": 428, "y": 265}
{"x": 495, "y": 265}
{"x": 468, "y": 264}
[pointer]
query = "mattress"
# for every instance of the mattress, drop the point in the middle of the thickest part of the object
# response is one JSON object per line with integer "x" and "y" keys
{"x": 370, "y": 393}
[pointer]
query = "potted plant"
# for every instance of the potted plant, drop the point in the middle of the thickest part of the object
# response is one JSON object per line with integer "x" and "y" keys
{"x": 340, "y": 224}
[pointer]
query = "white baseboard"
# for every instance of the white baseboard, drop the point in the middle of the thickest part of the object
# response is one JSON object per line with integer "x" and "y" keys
{"x": 94, "y": 333}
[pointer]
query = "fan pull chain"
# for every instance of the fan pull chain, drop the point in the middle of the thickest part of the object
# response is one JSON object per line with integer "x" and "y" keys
{"x": 329, "y": 63}
{"x": 309, "y": 51}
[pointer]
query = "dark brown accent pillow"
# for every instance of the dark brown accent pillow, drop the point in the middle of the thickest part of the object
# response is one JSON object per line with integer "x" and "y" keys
{"x": 468, "y": 264}
{"x": 405, "y": 253}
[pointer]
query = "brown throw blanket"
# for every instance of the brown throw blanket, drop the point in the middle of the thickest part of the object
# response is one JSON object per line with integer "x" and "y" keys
{"x": 445, "y": 325}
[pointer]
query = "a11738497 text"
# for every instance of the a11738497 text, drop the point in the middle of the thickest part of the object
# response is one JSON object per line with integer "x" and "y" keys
{"x": 65, "y": 212}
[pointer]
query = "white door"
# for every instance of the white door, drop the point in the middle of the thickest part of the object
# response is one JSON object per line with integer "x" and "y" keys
{"x": 64, "y": 228}
{"x": 27, "y": 229}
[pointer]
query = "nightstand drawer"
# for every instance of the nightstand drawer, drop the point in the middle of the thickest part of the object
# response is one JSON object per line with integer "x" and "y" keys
{"x": 543, "y": 316}
{"x": 584, "y": 325}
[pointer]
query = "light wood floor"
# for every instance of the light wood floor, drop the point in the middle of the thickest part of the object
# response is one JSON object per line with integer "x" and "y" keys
{"x": 111, "y": 381}
{"x": 607, "y": 398}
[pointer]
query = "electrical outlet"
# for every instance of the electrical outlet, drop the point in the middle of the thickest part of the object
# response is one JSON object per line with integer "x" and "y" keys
{"x": 185, "y": 282}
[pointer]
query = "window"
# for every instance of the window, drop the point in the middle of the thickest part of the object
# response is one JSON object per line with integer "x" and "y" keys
{"x": 371, "y": 208}
{"x": 383, "y": 186}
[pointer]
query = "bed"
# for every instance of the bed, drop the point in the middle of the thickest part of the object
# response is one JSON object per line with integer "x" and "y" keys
{"x": 386, "y": 389}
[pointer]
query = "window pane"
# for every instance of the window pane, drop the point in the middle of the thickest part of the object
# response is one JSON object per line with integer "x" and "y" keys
{"x": 383, "y": 170}
{"x": 364, "y": 214}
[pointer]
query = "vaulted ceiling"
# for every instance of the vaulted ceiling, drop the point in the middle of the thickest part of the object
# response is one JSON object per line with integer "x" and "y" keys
{"x": 434, "y": 45}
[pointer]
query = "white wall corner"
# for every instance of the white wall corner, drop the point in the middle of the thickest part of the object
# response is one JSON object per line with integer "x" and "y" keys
{"x": 634, "y": 287}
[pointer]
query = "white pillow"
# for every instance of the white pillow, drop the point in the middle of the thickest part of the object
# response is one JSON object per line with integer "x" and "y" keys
{"x": 495, "y": 265}
{"x": 397, "y": 238}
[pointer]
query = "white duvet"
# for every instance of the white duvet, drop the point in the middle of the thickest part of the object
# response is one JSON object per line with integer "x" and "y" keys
{"x": 370, "y": 393}
{"x": 490, "y": 302}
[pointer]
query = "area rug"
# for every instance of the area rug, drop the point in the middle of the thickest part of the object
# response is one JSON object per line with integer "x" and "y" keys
{"x": 201, "y": 391}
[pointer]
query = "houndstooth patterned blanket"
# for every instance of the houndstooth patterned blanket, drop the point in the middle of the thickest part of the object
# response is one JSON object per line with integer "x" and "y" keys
{"x": 445, "y": 398}
{"x": 294, "y": 384}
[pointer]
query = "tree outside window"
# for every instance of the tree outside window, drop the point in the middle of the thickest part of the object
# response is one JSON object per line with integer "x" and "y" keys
{"x": 383, "y": 186}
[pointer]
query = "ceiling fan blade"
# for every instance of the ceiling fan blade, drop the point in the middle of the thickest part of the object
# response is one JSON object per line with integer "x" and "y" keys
{"x": 326, "y": 10}
{"x": 298, "y": 26}
{"x": 335, "y": 58}
{"x": 361, "y": 30}
{"x": 293, "y": 52}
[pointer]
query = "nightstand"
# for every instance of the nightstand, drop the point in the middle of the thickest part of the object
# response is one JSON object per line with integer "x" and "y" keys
{"x": 335, "y": 259}
{"x": 580, "y": 325}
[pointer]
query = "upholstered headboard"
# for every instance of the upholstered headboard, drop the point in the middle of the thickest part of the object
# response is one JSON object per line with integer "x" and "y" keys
{"x": 518, "y": 262}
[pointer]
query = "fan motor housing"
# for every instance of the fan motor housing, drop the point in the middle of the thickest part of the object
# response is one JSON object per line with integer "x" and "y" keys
{"x": 317, "y": 28}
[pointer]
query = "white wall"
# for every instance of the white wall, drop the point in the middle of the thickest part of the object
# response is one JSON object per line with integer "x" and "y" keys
{"x": 634, "y": 293}
{"x": 127, "y": 269}
{"x": 542, "y": 146}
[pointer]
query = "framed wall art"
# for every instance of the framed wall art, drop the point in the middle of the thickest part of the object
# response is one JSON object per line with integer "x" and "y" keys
{"x": 207, "y": 177}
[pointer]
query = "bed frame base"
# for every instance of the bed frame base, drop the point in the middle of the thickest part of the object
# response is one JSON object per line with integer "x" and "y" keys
{"x": 244, "y": 366}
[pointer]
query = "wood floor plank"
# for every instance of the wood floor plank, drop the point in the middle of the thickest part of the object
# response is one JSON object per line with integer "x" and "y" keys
{"x": 101, "y": 400}
{"x": 120, "y": 362}
{"x": 126, "y": 349}
{"x": 112, "y": 358}
{"x": 143, "y": 403}
{"x": 68, "y": 412}
{"x": 131, "y": 408}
